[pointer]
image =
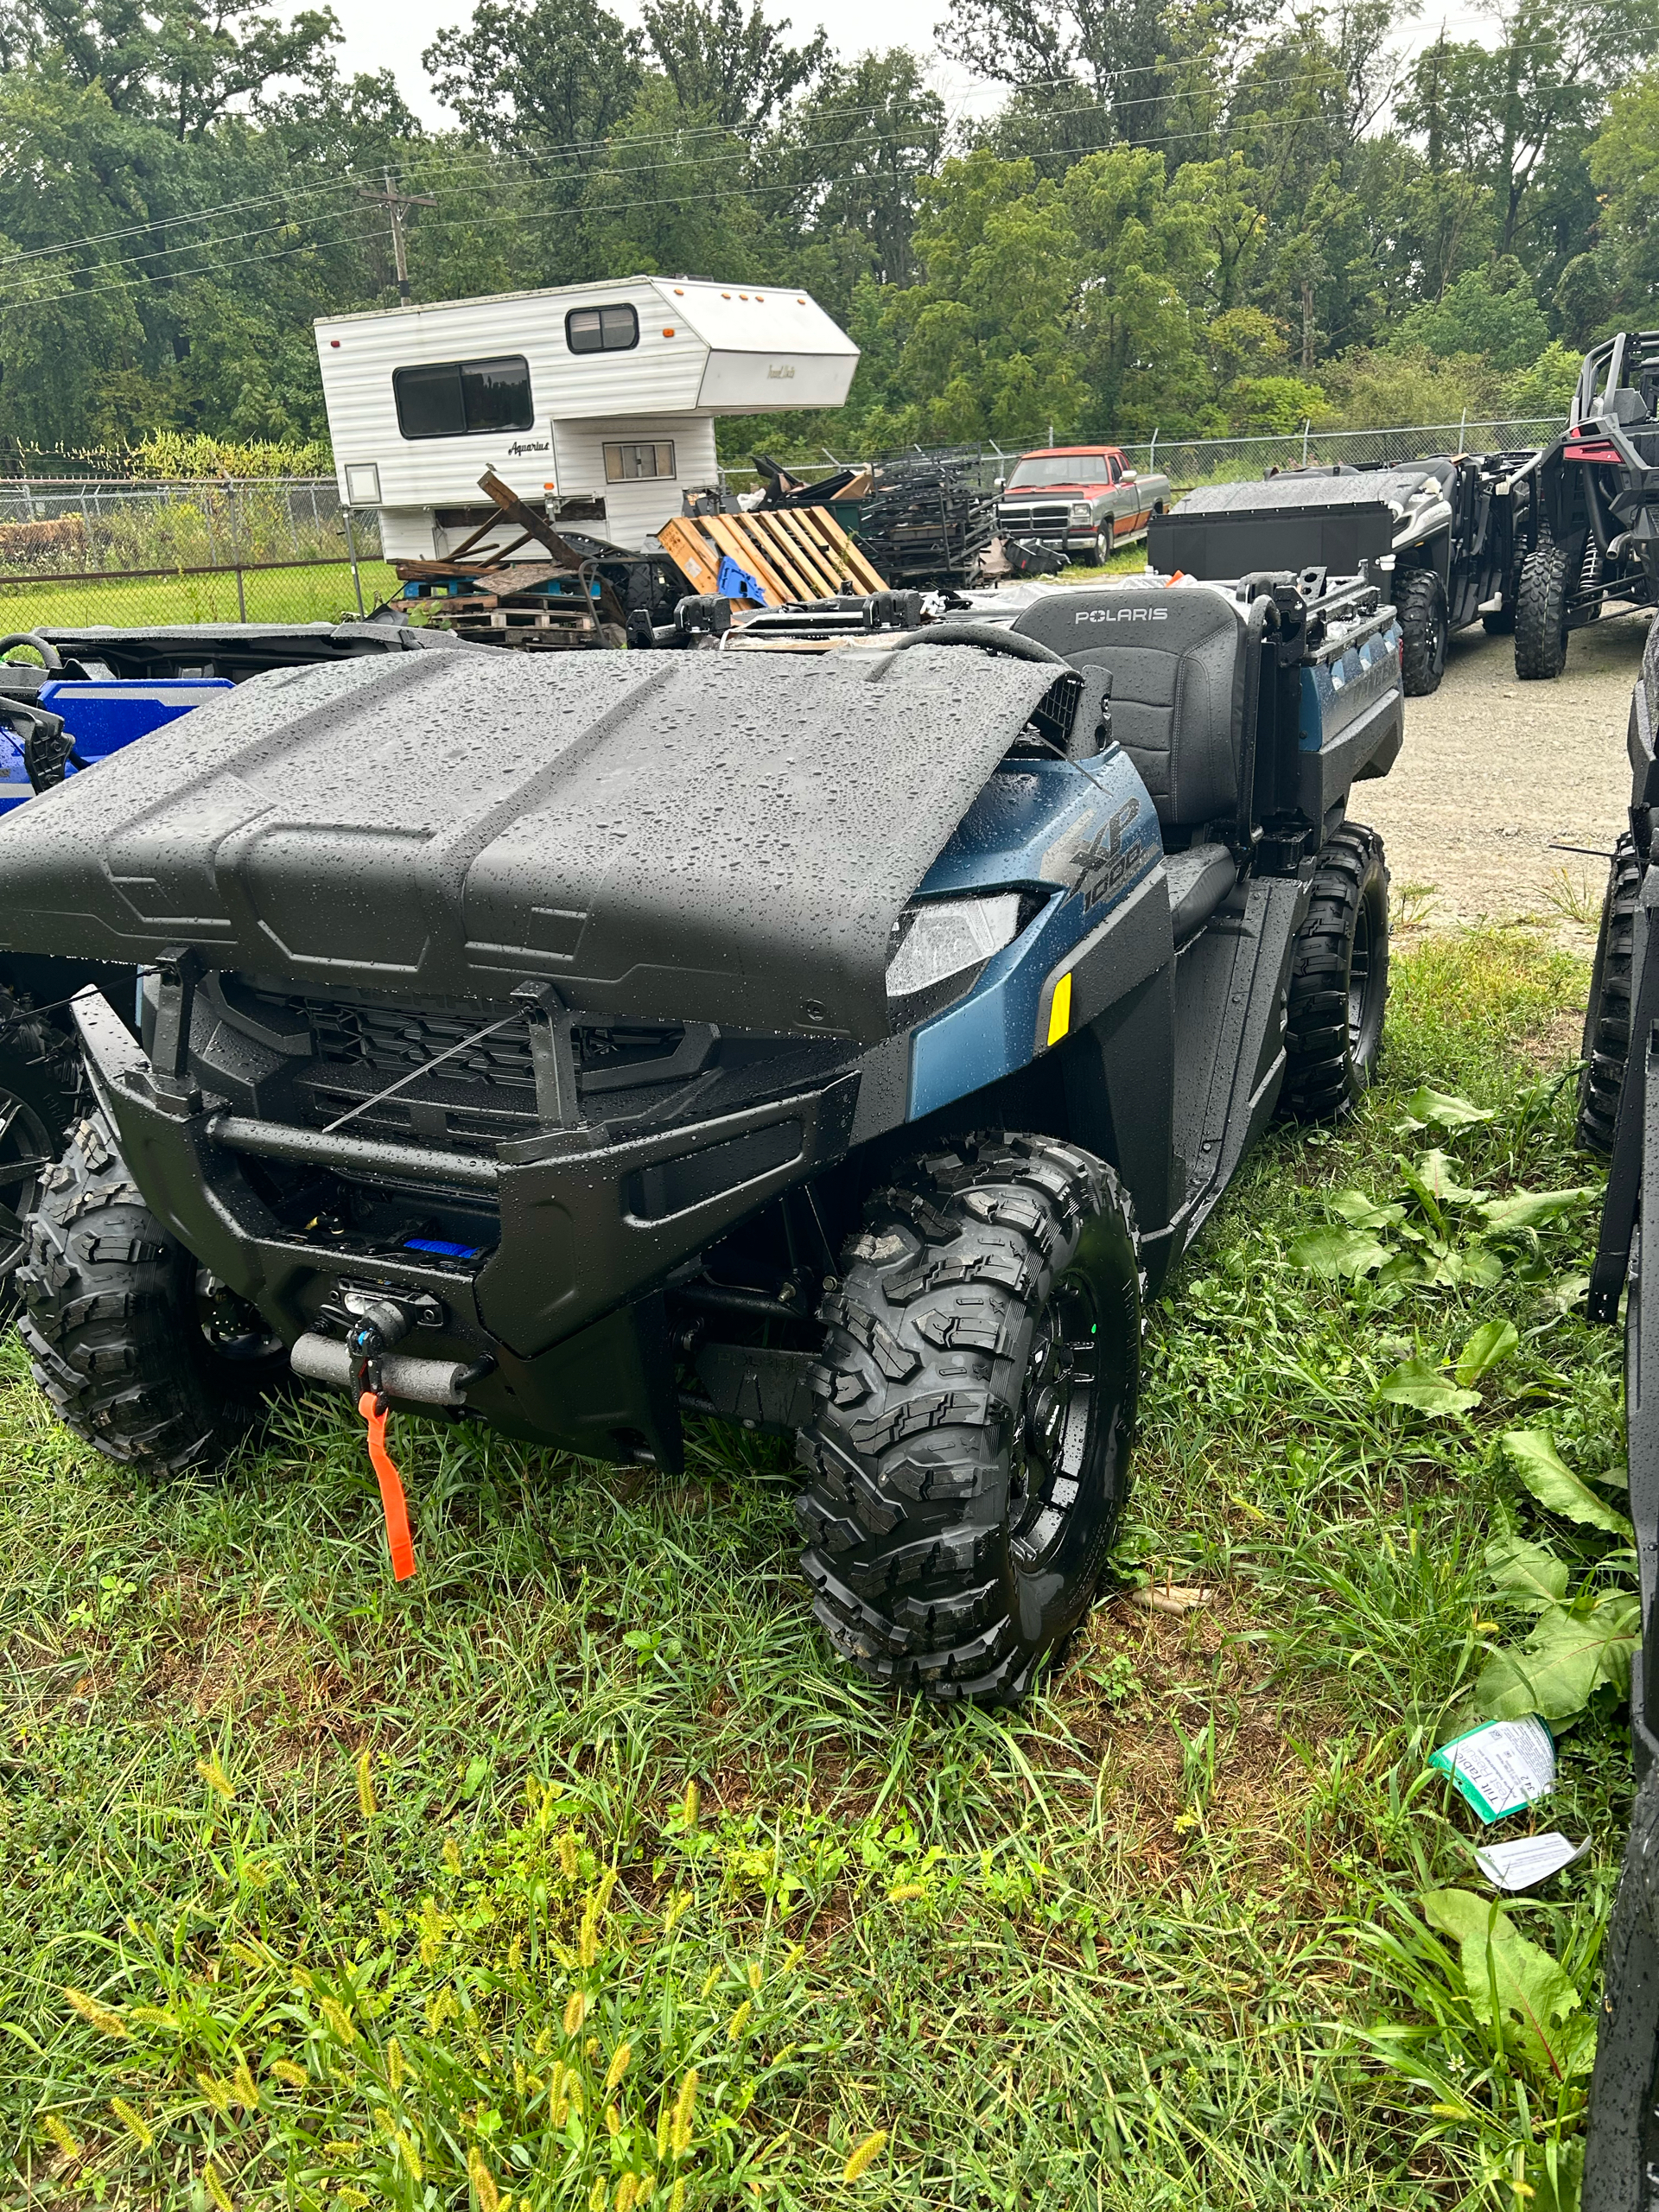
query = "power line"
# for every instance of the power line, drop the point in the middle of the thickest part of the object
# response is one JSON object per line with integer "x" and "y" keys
{"x": 206, "y": 269}
{"x": 753, "y": 193}
{"x": 486, "y": 168}
{"x": 548, "y": 150}
{"x": 484, "y": 165}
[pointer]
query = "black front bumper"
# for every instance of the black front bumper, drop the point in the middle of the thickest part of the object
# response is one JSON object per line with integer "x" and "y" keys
{"x": 563, "y": 1289}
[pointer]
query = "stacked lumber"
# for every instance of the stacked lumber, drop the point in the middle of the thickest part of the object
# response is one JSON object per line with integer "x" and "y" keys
{"x": 926, "y": 523}
{"x": 793, "y": 553}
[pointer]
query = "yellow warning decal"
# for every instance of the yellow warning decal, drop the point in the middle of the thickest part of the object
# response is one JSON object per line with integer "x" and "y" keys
{"x": 1059, "y": 1009}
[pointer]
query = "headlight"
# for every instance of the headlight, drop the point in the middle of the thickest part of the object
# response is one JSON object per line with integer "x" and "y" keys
{"x": 1083, "y": 512}
{"x": 942, "y": 937}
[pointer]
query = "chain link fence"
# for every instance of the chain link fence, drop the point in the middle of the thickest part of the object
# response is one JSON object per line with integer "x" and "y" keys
{"x": 1190, "y": 462}
{"x": 79, "y": 551}
{"x": 76, "y": 551}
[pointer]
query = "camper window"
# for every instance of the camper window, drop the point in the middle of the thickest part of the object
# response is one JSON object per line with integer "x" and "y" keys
{"x": 601, "y": 330}
{"x": 456, "y": 399}
{"x": 627, "y": 464}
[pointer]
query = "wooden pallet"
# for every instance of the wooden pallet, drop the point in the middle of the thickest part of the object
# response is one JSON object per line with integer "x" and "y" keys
{"x": 792, "y": 553}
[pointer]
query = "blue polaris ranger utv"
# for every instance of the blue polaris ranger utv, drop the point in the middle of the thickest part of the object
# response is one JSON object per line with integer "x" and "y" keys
{"x": 834, "y": 1027}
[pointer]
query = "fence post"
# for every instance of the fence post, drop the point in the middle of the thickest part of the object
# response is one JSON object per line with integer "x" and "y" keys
{"x": 236, "y": 552}
{"x": 351, "y": 554}
{"x": 1305, "y": 427}
{"x": 1152, "y": 452}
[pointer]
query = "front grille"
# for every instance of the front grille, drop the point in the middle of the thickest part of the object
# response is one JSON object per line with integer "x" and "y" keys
{"x": 338, "y": 1056}
{"x": 394, "y": 1042}
{"x": 471, "y": 1099}
{"x": 481, "y": 1094}
{"x": 1034, "y": 521}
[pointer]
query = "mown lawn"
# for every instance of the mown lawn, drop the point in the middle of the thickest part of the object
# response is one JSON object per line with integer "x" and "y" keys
{"x": 576, "y": 1873}
{"x": 322, "y": 593}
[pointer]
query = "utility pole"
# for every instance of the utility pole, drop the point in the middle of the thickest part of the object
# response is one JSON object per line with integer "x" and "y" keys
{"x": 398, "y": 201}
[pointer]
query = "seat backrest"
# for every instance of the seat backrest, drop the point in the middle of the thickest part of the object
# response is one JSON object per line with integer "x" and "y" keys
{"x": 1177, "y": 660}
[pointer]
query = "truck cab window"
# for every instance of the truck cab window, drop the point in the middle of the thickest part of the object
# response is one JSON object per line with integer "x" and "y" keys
{"x": 601, "y": 330}
{"x": 457, "y": 399}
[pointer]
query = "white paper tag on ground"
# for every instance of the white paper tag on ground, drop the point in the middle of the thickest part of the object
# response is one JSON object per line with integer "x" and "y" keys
{"x": 1527, "y": 1860}
{"x": 1502, "y": 1767}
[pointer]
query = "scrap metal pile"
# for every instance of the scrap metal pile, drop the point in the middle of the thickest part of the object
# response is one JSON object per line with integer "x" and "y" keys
{"x": 926, "y": 523}
{"x": 485, "y": 595}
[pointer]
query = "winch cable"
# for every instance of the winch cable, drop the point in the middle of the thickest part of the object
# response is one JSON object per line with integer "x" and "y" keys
{"x": 425, "y": 1068}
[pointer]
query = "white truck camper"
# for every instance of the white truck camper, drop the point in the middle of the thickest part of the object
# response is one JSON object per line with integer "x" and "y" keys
{"x": 599, "y": 398}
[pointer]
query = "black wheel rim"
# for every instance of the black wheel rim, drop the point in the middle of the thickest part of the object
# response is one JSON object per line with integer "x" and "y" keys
{"x": 26, "y": 1153}
{"x": 232, "y": 1329}
{"x": 1367, "y": 970}
{"x": 1359, "y": 977}
{"x": 1056, "y": 1422}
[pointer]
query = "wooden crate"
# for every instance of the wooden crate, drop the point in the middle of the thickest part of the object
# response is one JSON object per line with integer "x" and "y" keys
{"x": 791, "y": 552}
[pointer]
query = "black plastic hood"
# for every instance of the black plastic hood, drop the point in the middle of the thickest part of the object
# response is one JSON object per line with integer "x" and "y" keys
{"x": 686, "y": 836}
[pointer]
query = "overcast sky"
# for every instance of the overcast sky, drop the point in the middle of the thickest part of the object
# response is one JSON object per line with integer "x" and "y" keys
{"x": 390, "y": 33}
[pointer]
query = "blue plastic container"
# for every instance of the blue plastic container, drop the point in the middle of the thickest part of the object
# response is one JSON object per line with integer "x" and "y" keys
{"x": 102, "y": 718}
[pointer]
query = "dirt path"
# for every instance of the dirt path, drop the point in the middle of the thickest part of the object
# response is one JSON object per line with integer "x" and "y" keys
{"x": 1494, "y": 772}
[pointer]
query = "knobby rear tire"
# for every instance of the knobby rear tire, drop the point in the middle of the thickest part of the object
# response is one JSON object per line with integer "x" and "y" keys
{"x": 1607, "y": 1017}
{"x": 1339, "y": 990}
{"x": 976, "y": 1403}
{"x": 1540, "y": 614}
{"x": 1621, "y": 2159}
{"x": 1421, "y": 605}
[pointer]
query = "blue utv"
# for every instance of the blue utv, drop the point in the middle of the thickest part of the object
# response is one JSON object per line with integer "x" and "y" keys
{"x": 834, "y": 1027}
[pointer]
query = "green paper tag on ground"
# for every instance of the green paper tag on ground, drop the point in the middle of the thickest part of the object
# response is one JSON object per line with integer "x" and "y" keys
{"x": 1502, "y": 1767}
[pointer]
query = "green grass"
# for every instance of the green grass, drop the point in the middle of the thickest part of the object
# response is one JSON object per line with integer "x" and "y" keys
{"x": 322, "y": 593}
{"x": 1124, "y": 561}
{"x": 330, "y": 1862}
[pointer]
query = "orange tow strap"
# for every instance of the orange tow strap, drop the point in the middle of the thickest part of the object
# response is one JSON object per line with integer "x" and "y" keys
{"x": 395, "y": 1506}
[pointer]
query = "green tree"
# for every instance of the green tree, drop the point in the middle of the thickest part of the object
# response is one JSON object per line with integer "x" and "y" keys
{"x": 727, "y": 66}
{"x": 1147, "y": 251}
{"x": 1488, "y": 312}
{"x": 1516, "y": 114}
{"x": 852, "y": 154}
{"x": 552, "y": 77}
{"x": 983, "y": 347}
{"x": 1625, "y": 164}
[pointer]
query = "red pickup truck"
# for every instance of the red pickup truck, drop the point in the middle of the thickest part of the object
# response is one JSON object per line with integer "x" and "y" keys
{"x": 1084, "y": 499}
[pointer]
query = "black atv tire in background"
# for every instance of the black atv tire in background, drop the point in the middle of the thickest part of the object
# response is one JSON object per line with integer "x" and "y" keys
{"x": 1339, "y": 980}
{"x": 1606, "y": 1047}
{"x": 37, "y": 1101}
{"x": 1540, "y": 614}
{"x": 1420, "y": 603}
{"x": 138, "y": 1350}
{"x": 1621, "y": 2162}
{"x": 970, "y": 1453}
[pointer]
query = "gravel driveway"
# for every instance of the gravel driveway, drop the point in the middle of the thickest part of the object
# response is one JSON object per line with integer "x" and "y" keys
{"x": 1494, "y": 772}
